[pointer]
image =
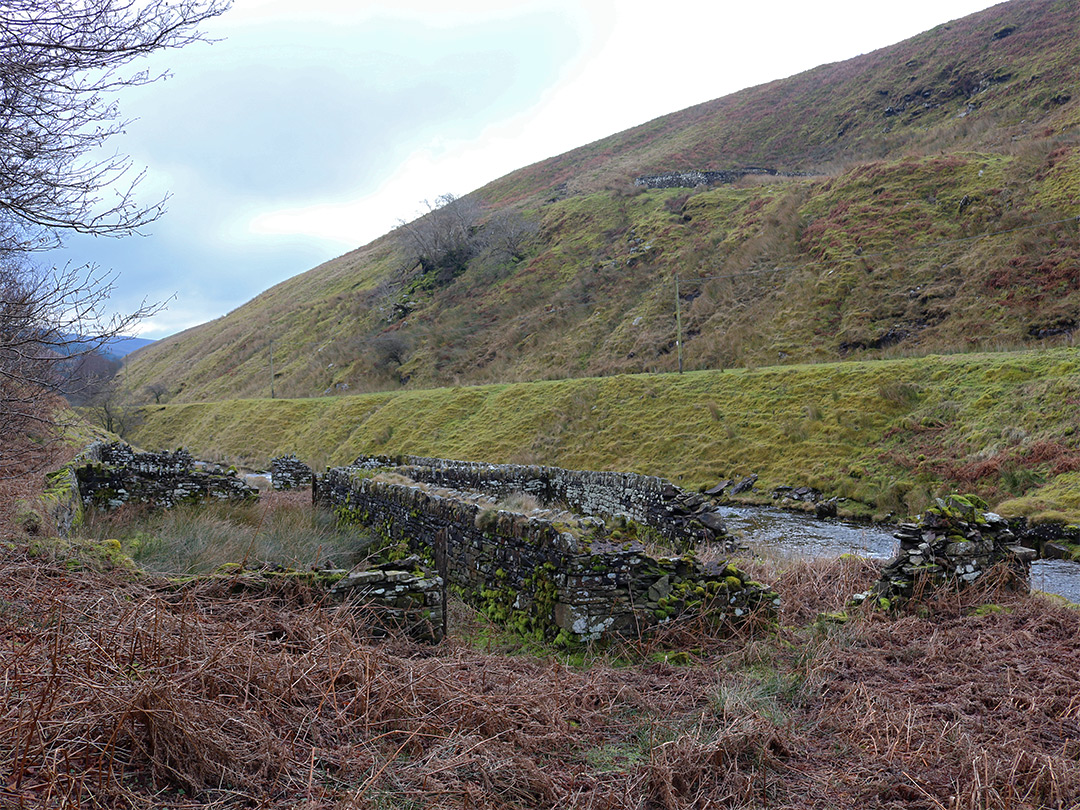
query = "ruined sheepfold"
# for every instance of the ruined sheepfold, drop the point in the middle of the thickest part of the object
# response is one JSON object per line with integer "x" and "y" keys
{"x": 400, "y": 597}
{"x": 568, "y": 579}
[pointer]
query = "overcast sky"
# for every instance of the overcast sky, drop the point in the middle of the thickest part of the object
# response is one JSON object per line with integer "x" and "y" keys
{"x": 311, "y": 126}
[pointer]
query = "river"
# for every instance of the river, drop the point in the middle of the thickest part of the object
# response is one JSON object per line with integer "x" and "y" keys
{"x": 794, "y": 534}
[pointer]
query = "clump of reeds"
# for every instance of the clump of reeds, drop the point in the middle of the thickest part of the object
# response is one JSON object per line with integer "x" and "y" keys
{"x": 281, "y": 530}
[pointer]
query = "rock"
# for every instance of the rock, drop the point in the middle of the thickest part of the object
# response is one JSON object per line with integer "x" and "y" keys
{"x": 1055, "y": 551}
{"x": 688, "y": 502}
{"x": 659, "y": 589}
{"x": 718, "y": 490}
{"x": 745, "y": 484}
{"x": 952, "y": 546}
{"x": 713, "y": 521}
{"x": 1023, "y": 553}
{"x": 826, "y": 509}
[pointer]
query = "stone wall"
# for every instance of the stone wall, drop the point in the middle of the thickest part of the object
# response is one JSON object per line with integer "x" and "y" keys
{"x": 695, "y": 177}
{"x": 684, "y": 519}
{"x": 111, "y": 475}
{"x": 394, "y": 599}
{"x": 62, "y": 499}
{"x": 289, "y": 472}
{"x": 397, "y": 597}
{"x": 572, "y": 578}
{"x": 954, "y": 543}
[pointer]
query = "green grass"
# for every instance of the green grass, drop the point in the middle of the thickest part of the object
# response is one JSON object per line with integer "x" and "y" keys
{"x": 202, "y": 539}
{"x": 890, "y": 435}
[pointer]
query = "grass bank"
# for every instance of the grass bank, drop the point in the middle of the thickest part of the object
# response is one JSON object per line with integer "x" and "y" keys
{"x": 890, "y": 435}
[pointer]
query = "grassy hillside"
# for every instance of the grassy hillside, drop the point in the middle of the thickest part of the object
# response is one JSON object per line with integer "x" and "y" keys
{"x": 888, "y": 434}
{"x": 934, "y": 210}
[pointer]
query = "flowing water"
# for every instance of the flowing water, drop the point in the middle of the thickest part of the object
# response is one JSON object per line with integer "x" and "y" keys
{"x": 794, "y": 534}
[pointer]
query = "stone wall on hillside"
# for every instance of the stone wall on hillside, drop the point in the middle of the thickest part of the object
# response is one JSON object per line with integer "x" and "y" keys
{"x": 553, "y": 576}
{"x": 697, "y": 177}
{"x": 112, "y": 475}
{"x": 684, "y": 519}
{"x": 693, "y": 178}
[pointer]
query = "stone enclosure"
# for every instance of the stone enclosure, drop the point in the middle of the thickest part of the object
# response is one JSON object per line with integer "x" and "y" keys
{"x": 576, "y": 575}
{"x": 398, "y": 597}
{"x": 559, "y": 554}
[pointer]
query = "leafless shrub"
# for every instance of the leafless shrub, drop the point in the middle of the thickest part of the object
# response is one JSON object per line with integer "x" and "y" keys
{"x": 508, "y": 232}
{"x": 443, "y": 239}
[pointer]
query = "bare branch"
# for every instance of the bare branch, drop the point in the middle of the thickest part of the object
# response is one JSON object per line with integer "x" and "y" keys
{"x": 61, "y": 61}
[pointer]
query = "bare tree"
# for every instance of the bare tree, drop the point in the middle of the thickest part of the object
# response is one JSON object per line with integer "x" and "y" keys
{"x": 113, "y": 409}
{"x": 61, "y": 63}
{"x": 50, "y": 321}
{"x": 158, "y": 391}
{"x": 443, "y": 239}
{"x": 507, "y": 232}
{"x": 86, "y": 375}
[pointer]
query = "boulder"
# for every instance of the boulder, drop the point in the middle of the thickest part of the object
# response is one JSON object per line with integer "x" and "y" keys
{"x": 745, "y": 485}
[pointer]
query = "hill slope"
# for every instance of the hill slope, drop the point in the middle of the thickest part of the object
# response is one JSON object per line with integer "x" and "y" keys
{"x": 889, "y": 435}
{"x": 921, "y": 198}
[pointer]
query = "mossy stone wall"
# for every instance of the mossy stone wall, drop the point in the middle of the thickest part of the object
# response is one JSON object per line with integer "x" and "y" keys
{"x": 536, "y": 575}
{"x": 111, "y": 475}
{"x": 684, "y": 519}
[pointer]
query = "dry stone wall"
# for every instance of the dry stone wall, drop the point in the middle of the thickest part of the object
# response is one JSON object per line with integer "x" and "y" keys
{"x": 577, "y": 579}
{"x": 397, "y": 597}
{"x": 111, "y": 475}
{"x": 289, "y": 472}
{"x": 697, "y": 177}
{"x": 954, "y": 543}
{"x": 684, "y": 519}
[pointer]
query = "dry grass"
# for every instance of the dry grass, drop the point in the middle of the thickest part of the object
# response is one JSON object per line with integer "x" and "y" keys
{"x": 138, "y": 694}
{"x": 123, "y": 694}
{"x": 281, "y": 529}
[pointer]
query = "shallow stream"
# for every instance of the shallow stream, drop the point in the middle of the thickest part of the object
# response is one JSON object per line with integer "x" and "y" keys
{"x": 794, "y": 534}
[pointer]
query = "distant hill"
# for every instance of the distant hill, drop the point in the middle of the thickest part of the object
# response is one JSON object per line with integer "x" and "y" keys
{"x": 114, "y": 348}
{"x": 919, "y": 199}
{"x": 122, "y": 346}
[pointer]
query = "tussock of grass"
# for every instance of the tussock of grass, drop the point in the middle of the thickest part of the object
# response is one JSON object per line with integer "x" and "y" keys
{"x": 281, "y": 530}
